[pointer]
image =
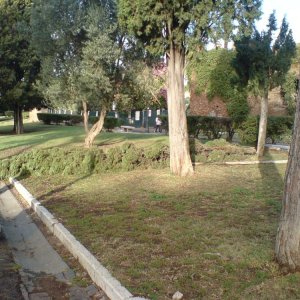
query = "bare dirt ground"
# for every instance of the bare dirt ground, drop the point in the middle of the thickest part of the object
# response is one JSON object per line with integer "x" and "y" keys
{"x": 9, "y": 275}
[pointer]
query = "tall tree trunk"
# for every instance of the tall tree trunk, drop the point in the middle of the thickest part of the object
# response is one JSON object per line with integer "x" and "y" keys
{"x": 180, "y": 160}
{"x": 288, "y": 235}
{"x": 95, "y": 130}
{"x": 85, "y": 117}
{"x": 18, "y": 120}
{"x": 262, "y": 132}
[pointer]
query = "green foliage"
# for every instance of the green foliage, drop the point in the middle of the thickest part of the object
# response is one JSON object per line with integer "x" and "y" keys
{"x": 78, "y": 161}
{"x": 9, "y": 113}
{"x": 159, "y": 25}
{"x": 261, "y": 62}
{"x": 212, "y": 127}
{"x": 19, "y": 65}
{"x": 278, "y": 129}
{"x": 109, "y": 122}
{"x": 48, "y": 119}
{"x": 218, "y": 150}
{"x": 83, "y": 161}
{"x": 212, "y": 73}
{"x": 289, "y": 92}
{"x": 248, "y": 131}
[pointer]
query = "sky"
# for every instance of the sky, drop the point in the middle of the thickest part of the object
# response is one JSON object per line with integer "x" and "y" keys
{"x": 288, "y": 8}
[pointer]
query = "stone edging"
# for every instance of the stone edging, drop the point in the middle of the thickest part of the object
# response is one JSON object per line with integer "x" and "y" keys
{"x": 99, "y": 274}
{"x": 254, "y": 162}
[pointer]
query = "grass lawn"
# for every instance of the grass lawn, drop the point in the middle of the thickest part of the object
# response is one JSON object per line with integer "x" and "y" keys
{"x": 210, "y": 236}
{"x": 48, "y": 136}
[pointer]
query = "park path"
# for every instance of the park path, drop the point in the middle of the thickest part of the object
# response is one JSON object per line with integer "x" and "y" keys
{"x": 44, "y": 274}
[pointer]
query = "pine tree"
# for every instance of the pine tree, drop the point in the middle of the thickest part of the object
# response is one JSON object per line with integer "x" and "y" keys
{"x": 171, "y": 28}
{"x": 19, "y": 65}
{"x": 262, "y": 64}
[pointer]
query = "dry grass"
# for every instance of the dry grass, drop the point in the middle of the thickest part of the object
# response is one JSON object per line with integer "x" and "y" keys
{"x": 210, "y": 236}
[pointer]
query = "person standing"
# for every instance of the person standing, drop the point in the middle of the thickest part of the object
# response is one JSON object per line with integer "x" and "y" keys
{"x": 158, "y": 123}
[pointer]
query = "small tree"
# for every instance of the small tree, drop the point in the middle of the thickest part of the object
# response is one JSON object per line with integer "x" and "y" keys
{"x": 170, "y": 28}
{"x": 262, "y": 65}
{"x": 288, "y": 234}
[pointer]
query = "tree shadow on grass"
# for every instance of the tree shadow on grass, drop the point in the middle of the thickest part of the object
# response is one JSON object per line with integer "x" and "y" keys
{"x": 61, "y": 188}
{"x": 272, "y": 184}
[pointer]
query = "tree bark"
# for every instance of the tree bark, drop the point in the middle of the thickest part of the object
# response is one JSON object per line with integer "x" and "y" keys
{"x": 288, "y": 235}
{"x": 85, "y": 117}
{"x": 18, "y": 120}
{"x": 95, "y": 130}
{"x": 180, "y": 160}
{"x": 262, "y": 132}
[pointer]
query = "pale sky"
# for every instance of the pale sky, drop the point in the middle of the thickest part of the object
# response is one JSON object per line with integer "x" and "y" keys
{"x": 288, "y": 8}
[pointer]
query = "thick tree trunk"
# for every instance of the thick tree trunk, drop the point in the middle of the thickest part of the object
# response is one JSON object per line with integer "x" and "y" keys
{"x": 288, "y": 235}
{"x": 18, "y": 120}
{"x": 85, "y": 117}
{"x": 95, "y": 130}
{"x": 180, "y": 160}
{"x": 262, "y": 132}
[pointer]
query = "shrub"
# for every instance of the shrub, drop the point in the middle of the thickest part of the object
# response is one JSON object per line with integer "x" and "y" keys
{"x": 248, "y": 131}
{"x": 9, "y": 113}
{"x": 277, "y": 127}
{"x": 212, "y": 127}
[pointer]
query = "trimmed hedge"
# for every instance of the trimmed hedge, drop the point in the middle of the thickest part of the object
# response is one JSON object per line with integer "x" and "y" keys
{"x": 278, "y": 129}
{"x": 59, "y": 118}
{"x": 83, "y": 161}
{"x": 212, "y": 127}
{"x": 127, "y": 157}
{"x": 109, "y": 122}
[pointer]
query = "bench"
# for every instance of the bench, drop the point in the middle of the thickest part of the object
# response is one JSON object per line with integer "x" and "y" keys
{"x": 126, "y": 128}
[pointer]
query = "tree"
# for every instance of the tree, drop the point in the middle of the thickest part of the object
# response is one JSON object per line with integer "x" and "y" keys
{"x": 262, "y": 64}
{"x": 288, "y": 235}
{"x": 170, "y": 28}
{"x": 19, "y": 65}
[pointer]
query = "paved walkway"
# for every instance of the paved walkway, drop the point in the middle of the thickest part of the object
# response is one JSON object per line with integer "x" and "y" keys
{"x": 43, "y": 272}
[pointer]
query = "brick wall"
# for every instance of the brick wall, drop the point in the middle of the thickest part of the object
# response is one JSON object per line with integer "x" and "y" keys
{"x": 201, "y": 106}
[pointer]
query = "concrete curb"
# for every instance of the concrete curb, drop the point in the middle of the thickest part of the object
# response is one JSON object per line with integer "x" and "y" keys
{"x": 99, "y": 274}
{"x": 254, "y": 162}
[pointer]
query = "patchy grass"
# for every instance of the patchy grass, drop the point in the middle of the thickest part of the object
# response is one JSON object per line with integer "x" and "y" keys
{"x": 208, "y": 236}
{"x": 47, "y": 136}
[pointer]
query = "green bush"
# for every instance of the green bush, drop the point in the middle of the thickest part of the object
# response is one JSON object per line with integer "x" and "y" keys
{"x": 212, "y": 127}
{"x": 109, "y": 122}
{"x": 248, "y": 131}
{"x": 9, "y": 113}
{"x": 80, "y": 161}
{"x": 278, "y": 127}
{"x": 218, "y": 150}
{"x": 59, "y": 119}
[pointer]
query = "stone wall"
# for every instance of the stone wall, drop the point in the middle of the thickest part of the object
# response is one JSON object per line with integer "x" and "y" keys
{"x": 200, "y": 105}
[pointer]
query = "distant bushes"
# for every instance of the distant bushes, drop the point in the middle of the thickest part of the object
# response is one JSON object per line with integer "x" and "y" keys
{"x": 46, "y": 118}
{"x": 59, "y": 118}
